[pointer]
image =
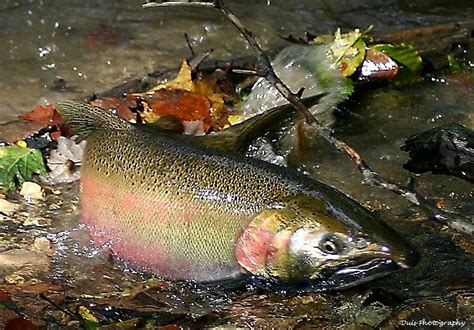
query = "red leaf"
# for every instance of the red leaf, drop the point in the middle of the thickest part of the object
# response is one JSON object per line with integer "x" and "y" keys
{"x": 19, "y": 323}
{"x": 184, "y": 105}
{"x": 4, "y": 296}
{"x": 43, "y": 114}
{"x": 121, "y": 107}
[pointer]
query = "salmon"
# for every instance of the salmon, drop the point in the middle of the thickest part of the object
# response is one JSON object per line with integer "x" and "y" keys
{"x": 188, "y": 211}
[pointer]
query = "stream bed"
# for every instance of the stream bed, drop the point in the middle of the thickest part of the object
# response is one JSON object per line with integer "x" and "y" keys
{"x": 68, "y": 50}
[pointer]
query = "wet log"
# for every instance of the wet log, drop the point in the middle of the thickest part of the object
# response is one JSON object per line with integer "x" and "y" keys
{"x": 448, "y": 149}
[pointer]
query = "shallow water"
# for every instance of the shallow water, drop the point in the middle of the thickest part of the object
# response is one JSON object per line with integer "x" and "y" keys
{"x": 44, "y": 40}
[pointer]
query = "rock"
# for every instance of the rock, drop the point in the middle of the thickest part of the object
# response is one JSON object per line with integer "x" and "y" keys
{"x": 14, "y": 279}
{"x": 447, "y": 149}
{"x": 37, "y": 221}
{"x": 43, "y": 245}
{"x": 32, "y": 190}
{"x": 15, "y": 260}
{"x": 8, "y": 208}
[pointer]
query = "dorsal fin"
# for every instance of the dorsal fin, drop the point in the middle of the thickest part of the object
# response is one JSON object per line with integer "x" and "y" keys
{"x": 84, "y": 118}
{"x": 238, "y": 137}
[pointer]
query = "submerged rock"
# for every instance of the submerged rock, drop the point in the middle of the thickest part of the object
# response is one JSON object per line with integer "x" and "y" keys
{"x": 32, "y": 190}
{"x": 8, "y": 208}
{"x": 43, "y": 245}
{"x": 28, "y": 262}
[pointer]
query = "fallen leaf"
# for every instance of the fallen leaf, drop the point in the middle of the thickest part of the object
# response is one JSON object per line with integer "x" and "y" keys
{"x": 200, "y": 99}
{"x": 65, "y": 160}
{"x": 19, "y": 323}
{"x": 87, "y": 315}
{"x": 121, "y": 107}
{"x": 183, "y": 80}
{"x": 47, "y": 116}
{"x": 17, "y": 130}
{"x": 179, "y": 103}
{"x": 4, "y": 296}
{"x": 348, "y": 50}
{"x": 43, "y": 114}
{"x": 6, "y": 315}
{"x": 18, "y": 291}
{"x": 106, "y": 36}
{"x": 378, "y": 65}
{"x": 407, "y": 56}
{"x": 19, "y": 164}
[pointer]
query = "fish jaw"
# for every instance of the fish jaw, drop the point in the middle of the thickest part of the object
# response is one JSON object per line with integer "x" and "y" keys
{"x": 350, "y": 275}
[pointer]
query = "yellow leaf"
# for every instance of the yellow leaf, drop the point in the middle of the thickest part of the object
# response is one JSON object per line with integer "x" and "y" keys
{"x": 21, "y": 144}
{"x": 87, "y": 315}
{"x": 182, "y": 81}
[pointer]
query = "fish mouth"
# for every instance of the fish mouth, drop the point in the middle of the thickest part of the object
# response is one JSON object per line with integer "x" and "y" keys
{"x": 353, "y": 274}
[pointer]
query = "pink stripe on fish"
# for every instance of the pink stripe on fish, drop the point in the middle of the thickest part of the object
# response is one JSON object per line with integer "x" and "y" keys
{"x": 107, "y": 210}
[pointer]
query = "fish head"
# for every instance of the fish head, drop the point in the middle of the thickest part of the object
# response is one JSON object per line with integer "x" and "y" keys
{"x": 304, "y": 243}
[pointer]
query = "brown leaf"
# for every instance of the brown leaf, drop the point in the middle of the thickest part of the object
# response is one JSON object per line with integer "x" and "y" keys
{"x": 195, "y": 94}
{"x": 31, "y": 289}
{"x": 43, "y": 114}
{"x": 47, "y": 116}
{"x": 19, "y": 323}
{"x": 378, "y": 65}
{"x": 6, "y": 315}
{"x": 4, "y": 296}
{"x": 121, "y": 107}
{"x": 17, "y": 130}
{"x": 179, "y": 103}
{"x": 106, "y": 36}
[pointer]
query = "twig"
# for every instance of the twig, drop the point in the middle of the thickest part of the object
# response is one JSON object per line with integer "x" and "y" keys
{"x": 264, "y": 68}
{"x": 188, "y": 42}
{"x": 180, "y": 3}
{"x": 64, "y": 310}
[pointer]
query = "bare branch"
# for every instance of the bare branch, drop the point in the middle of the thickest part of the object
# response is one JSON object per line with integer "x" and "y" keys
{"x": 188, "y": 42}
{"x": 180, "y": 3}
{"x": 264, "y": 68}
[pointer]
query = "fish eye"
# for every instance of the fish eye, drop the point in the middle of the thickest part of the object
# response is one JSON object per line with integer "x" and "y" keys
{"x": 331, "y": 245}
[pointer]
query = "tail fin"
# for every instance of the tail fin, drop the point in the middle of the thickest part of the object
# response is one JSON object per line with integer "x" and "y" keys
{"x": 84, "y": 118}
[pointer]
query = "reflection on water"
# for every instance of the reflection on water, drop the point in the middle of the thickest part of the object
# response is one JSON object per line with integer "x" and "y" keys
{"x": 94, "y": 45}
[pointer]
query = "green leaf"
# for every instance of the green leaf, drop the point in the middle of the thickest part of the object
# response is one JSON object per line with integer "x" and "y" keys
{"x": 19, "y": 164}
{"x": 353, "y": 58}
{"x": 407, "y": 56}
{"x": 457, "y": 66}
{"x": 347, "y": 50}
{"x": 454, "y": 63}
